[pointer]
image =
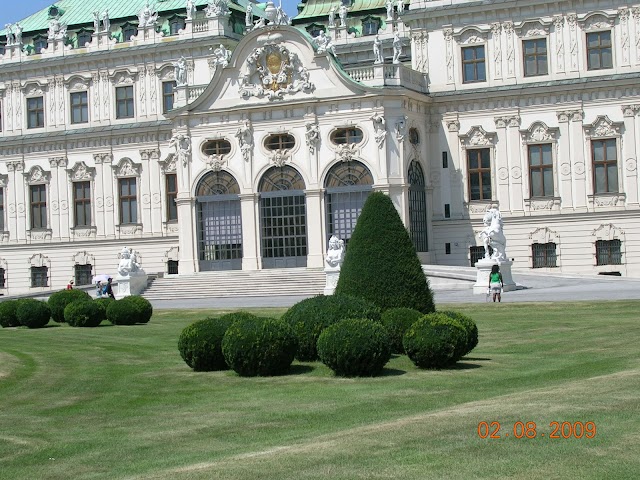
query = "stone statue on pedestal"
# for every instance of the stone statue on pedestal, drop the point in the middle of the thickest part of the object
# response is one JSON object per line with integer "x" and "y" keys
{"x": 492, "y": 235}
{"x": 333, "y": 263}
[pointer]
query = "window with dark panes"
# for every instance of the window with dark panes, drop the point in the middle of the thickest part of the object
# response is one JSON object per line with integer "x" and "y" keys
{"x": 79, "y": 107}
{"x": 83, "y": 274}
{"x": 39, "y": 276}
{"x": 535, "y": 57}
{"x": 541, "y": 170}
{"x": 216, "y": 147}
{"x": 128, "y": 31}
{"x": 172, "y": 267}
{"x": 2, "y": 278}
{"x": 599, "y": 53}
{"x": 477, "y": 253}
{"x": 605, "y": 165}
{"x": 608, "y": 252}
{"x": 473, "y": 64}
{"x": 82, "y": 203}
{"x": 39, "y": 44}
{"x": 38, "y": 204}
{"x": 167, "y": 96}
{"x": 414, "y": 136}
{"x": 124, "y": 102}
{"x": 479, "y": 170}
{"x": 279, "y": 142}
{"x": 544, "y": 255}
{"x": 83, "y": 38}
{"x": 1, "y": 209}
{"x": 346, "y": 135}
{"x": 172, "y": 192}
{"x": 128, "y": 200}
{"x": 35, "y": 112}
{"x": 370, "y": 26}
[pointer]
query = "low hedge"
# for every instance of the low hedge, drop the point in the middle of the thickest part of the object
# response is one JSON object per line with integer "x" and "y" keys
{"x": 200, "y": 344}
{"x": 311, "y": 316}
{"x": 259, "y": 346}
{"x": 33, "y": 313}
{"x": 397, "y": 321}
{"x": 355, "y": 347}
{"x": 129, "y": 310}
{"x": 59, "y": 300}
{"x": 83, "y": 314}
{"x": 469, "y": 325}
{"x": 8, "y": 313}
{"x": 433, "y": 341}
{"x": 102, "y": 304}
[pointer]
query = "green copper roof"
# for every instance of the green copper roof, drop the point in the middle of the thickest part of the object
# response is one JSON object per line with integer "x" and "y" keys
{"x": 320, "y": 8}
{"x": 78, "y": 12}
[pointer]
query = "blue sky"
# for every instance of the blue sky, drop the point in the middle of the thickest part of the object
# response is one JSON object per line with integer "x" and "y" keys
{"x": 13, "y": 10}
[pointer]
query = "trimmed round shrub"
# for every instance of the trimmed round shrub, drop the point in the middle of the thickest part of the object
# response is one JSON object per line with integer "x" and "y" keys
{"x": 58, "y": 301}
{"x": 129, "y": 310}
{"x": 200, "y": 344}
{"x": 8, "y": 313}
{"x": 433, "y": 341}
{"x": 311, "y": 316}
{"x": 33, "y": 313}
{"x": 381, "y": 264}
{"x": 461, "y": 333}
{"x": 259, "y": 346}
{"x": 83, "y": 314}
{"x": 355, "y": 347}
{"x": 102, "y": 304}
{"x": 469, "y": 325}
{"x": 397, "y": 321}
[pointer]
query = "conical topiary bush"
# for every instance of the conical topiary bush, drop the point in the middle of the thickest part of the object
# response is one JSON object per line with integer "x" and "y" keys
{"x": 381, "y": 264}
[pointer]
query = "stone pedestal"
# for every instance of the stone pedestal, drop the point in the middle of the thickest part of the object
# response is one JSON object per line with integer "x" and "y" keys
{"x": 134, "y": 284}
{"x": 484, "y": 269}
{"x": 332, "y": 280}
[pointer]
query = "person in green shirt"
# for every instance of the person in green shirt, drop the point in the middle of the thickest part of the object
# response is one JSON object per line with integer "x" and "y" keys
{"x": 495, "y": 283}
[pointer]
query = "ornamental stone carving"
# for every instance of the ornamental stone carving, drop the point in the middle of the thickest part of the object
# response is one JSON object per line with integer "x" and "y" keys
{"x": 631, "y": 165}
{"x": 80, "y": 172}
{"x": 477, "y": 137}
{"x": 126, "y": 168}
{"x": 147, "y": 17}
{"x": 37, "y": 176}
{"x": 182, "y": 145}
{"x": 544, "y": 235}
{"x": 608, "y": 231}
{"x": 347, "y": 152}
{"x": 379, "y": 128}
{"x": 312, "y": 135}
{"x": 273, "y": 71}
{"x": 603, "y": 127}
{"x": 244, "y": 134}
{"x": 538, "y": 132}
{"x": 216, "y": 8}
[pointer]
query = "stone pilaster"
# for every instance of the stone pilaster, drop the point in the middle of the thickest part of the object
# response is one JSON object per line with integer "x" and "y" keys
{"x": 629, "y": 161}
{"x": 563, "y": 163}
{"x": 315, "y": 234}
{"x": 250, "y": 230}
{"x": 186, "y": 234}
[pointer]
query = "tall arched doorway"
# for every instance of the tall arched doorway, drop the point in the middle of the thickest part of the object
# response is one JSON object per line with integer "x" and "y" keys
{"x": 347, "y": 187}
{"x": 283, "y": 218}
{"x": 219, "y": 222}
{"x": 417, "y": 208}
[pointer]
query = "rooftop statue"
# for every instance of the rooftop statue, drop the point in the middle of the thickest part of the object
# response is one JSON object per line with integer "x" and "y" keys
{"x": 324, "y": 43}
{"x": 377, "y": 50}
{"x": 397, "y": 48}
{"x": 147, "y": 17}
{"x": 191, "y": 10}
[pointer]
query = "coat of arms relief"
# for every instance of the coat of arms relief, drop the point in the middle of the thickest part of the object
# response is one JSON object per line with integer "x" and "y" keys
{"x": 273, "y": 71}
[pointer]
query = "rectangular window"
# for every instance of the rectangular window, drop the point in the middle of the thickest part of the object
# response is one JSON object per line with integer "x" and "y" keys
{"x": 477, "y": 253}
{"x": 172, "y": 193}
{"x": 473, "y": 64}
{"x": 128, "y": 200}
{"x": 35, "y": 112}
{"x": 79, "y": 107}
{"x": 544, "y": 255}
{"x": 608, "y": 252}
{"x": 479, "y": 168}
{"x": 535, "y": 57}
{"x": 599, "y": 53}
{"x": 167, "y": 96}
{"x": 172, "y": 267}
{"x": 124, "y": 102}
{"x": 605, "y": 165}
{"x": 541, "y": 170}
{"x": 2, "y": 280}
{"x": 38, "y": 206}
{"x": 1, "y": 209}
{"x": 82, "y": 203}
{"x": 447, "y": 210}
{"x": 83, "y": 274}
{"x": 445, "y": 160}
{"x": 39, "y": 276}
{"x": 447, "y": 248}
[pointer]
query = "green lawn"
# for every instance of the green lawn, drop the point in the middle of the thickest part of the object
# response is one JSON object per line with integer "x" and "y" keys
{"x": 119, "y": 403}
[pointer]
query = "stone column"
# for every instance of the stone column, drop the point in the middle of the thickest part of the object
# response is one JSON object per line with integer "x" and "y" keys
{"x": 15, "y": 200}
{"x": 629, "y": 160}
{"x": 315, "y": 250}
{"x": 501, "y": 163}
{"x": 517, "y": 189}
{"x": 563, "y": 162}
{"x": 187, "y": 262}
{"x": 149, "y": 157}
{"x": 55, "y": 199}
{"x": 581, "y": 166}
{"x": 455, "y": 166}
{"x": 250, "y": 230}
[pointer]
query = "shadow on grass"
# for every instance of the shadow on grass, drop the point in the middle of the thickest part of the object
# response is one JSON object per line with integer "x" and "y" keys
{"x": 300, "y": 369}
{"x": 391, "y": 372}
{"x": 473, "y": 359}
{"x": 462, "y": 366}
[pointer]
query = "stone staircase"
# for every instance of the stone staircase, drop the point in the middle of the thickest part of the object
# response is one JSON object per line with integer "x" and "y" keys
{"x": 238, "y": 283}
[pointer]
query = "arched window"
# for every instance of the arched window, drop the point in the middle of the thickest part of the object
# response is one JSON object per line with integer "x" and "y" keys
{"x": 176, "y": 24}
{"x": 341, "y": 136}
{"x": 219, "y": 222}
{"x": 370, "y": 26}
{"x": 39, "y": 43}
{"x": 129, "y": 30}
{"x": 280, "y": 142}
{"x": 83, "y": 37}
{"x": 417, "y": 207}
{"x": 283, "y": 218}
{"x": 414, "y": 136}
{"x": 216, "y": 147}
{"x": 348, "y": 185}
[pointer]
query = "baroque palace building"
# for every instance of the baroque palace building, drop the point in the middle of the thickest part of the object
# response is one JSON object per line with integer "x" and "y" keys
{"x": 212, "y": 135}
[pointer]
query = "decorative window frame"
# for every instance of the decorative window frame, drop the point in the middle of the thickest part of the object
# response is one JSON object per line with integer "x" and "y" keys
{"x": 594, "y": 22}
{"x": 126, "y": 168}
{"x": 82, "y": 258}
{"x": 546, "y": 235}
{"x": 280, "y": 157}
{"x": 469, "y": 37}
{"x": 478, "y": 138}
{"x": 534, "y": 30}
{"x": 4, "y": 233}
{"x": 539, "y": 133}
{"x": 38, "y": 176}
{"x": 370, "y": 18}
{"x": 77, "y": 84}
{"x": 608, "y": 231}
{"x": 80, "y": 172}
{"x": 218, "y": 162}
{"x": 39, "y": 260}
{"x": 602, "y": 128}
{"x": 34, "y": 90}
